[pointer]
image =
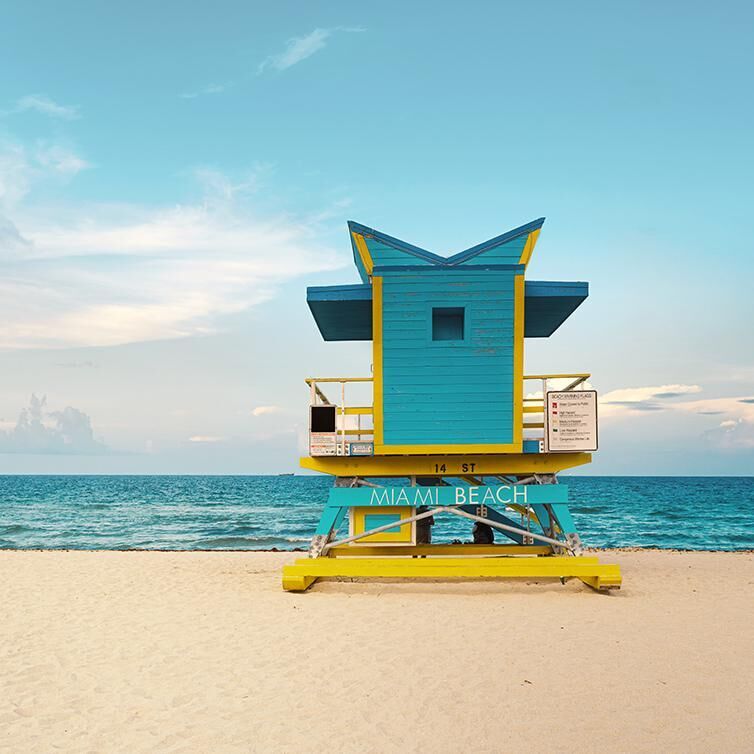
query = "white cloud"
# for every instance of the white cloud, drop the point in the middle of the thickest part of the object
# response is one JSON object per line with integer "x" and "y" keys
{"x": 11, "y": 239}
{"x": 300, "y": 48}
{"x": 22, "y": 167}
{"x": 732, "y": 435}
{"x": 733, "y": 408}
{"x": 643, "y": 399}
{"x": 15, "y": 174}
{"x": 266, "y": 410}
{"x": 60, "y": 160}
{"x": 219, "y": 187}
{"x": 206, "y": 439}
{"x": 112, "y": 274}
{"x": 734, "y": 414}
{"x": 210, "y": 89}
{"x": 108, "y": 274}
{"x": 41, "y": 103}
{"x": 39, "y": 430}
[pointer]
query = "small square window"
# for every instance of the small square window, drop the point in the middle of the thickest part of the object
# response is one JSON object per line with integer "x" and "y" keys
{"x": 447, "y": 323}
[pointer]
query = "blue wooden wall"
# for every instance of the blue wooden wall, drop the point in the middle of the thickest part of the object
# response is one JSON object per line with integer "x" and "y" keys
{"x": 447, "y": 392}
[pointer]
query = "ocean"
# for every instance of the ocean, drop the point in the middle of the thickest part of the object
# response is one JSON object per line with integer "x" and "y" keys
{"x": 266, "y": 512}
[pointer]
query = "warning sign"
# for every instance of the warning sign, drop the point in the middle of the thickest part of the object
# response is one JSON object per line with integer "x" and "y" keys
{"x": 571, "y": 421}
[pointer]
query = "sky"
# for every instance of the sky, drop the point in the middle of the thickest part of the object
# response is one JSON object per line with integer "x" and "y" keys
{"x": 173, "y": 176}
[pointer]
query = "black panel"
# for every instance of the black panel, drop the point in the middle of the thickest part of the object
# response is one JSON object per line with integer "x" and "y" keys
{"x": 322, "y": 419}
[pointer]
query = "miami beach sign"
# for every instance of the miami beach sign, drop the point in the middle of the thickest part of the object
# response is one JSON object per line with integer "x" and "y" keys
{"x": 502, "y": 494}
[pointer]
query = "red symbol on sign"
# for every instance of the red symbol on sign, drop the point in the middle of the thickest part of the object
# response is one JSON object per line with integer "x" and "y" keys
{"x": 554, "y": 404}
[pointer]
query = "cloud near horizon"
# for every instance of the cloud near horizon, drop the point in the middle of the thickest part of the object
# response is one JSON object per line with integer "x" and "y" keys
{"x": 653, "y": 398}
{"x": 41, "y": 431}
{"x": 265, "y": 410}
{"x": 734, "y": 415}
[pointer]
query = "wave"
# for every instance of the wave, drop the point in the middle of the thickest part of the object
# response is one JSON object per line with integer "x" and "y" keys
{"x": 14, "y": 529}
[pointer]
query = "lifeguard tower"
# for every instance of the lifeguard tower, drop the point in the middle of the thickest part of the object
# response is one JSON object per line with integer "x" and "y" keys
{"x": 454, "y": 427}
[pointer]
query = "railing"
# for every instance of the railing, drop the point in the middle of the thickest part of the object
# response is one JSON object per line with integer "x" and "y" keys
{"x": 342, "y": 430}
{"x": 533, "y": 406}
{"x": 536, "y": 404}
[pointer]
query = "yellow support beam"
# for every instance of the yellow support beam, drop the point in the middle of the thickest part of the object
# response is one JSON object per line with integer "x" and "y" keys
{"x": 534, "y": 409}
{"x": 446, "y": 465}
{"x": 309, "y": 380}
{"x": 305, "y": 571}
{"x": 362, "y": 410}
{"x": 582, "y": 375}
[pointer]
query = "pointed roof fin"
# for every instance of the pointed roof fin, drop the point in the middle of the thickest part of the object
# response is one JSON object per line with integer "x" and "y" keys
{"x": 371, "y": 249}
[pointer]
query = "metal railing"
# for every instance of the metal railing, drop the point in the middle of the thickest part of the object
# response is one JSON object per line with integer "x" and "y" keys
{"x": 343, "y": 432}
{"x": 533, "y": 407}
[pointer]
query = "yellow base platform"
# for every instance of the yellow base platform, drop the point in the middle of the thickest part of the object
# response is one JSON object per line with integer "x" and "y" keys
{"x": 305, "y": 571}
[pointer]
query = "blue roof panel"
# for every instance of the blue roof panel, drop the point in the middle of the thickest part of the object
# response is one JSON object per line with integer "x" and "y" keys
{"x": 344, "y": 312}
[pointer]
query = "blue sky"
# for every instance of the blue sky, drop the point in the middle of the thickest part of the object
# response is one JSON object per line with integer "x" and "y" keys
{"x": 173, "y": 176}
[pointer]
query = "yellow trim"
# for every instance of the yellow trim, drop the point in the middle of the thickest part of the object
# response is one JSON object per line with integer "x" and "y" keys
{"x": 553, "y": 377}
{"x": 531, "y": 242}
{"x": 405, "y": 536}
{"x": 518, "y": 362}
{"x": 363, "y": 249}
{"x": 530, "y": 409}
{"x": 429, "y": 465}
{"x": 361, "y": 410}
{"x": 381, "y": 449}
{"x": 309, "y": 380}
{"x": 377, "y": 358}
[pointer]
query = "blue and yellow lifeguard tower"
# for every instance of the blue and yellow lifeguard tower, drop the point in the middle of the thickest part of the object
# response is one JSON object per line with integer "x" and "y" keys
{"x": 454, "y": 426}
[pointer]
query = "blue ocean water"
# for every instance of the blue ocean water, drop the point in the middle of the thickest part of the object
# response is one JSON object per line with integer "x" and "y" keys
{"x": 265, "y": 512}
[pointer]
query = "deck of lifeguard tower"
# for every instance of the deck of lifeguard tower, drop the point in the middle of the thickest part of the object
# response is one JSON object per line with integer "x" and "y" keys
{"x": 447, "y": 423}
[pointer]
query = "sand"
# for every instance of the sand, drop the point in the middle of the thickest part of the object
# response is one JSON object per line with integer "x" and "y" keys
{"x": 203, "y": 652}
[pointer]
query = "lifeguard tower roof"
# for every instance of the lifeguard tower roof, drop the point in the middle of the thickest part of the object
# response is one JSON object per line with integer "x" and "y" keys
{"x": 344, "y": 312}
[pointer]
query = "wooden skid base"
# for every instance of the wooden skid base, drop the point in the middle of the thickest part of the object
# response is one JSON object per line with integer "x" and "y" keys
{"x": 305, "y": 571}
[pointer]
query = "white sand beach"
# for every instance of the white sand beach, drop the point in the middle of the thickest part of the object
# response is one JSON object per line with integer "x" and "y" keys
{"x": 203, "y": 652}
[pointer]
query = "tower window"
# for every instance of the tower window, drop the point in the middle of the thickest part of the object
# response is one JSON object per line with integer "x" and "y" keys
{"x": 448, "y": 323}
